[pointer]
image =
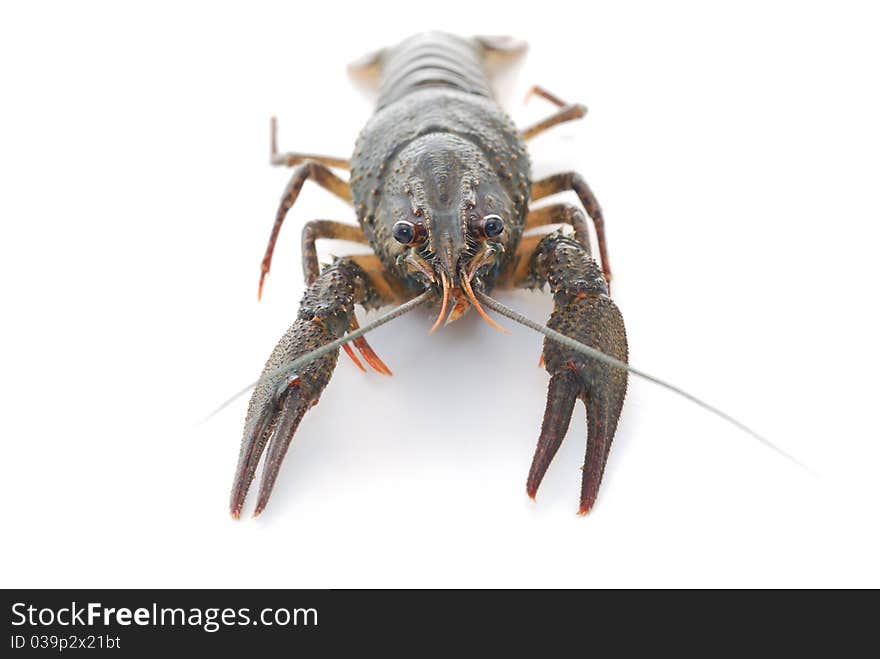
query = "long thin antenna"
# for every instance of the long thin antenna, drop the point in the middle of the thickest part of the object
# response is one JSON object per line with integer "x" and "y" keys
{"x": 574, "y": 344}
{"x": 311, "y": 356}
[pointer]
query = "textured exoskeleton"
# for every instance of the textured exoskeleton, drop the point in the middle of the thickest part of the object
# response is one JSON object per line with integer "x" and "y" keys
{"x": 441, "y": 184}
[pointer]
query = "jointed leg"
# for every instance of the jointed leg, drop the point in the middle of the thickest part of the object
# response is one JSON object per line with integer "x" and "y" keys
{"x": 561, "y": 214}
{"x": 291, "y": 158}
{"x": 320, "y": 229}
{"x": 388, "y": 290}
{"x": 308, "y": 170}
{"x": 573, "y": 181}
{"x": 516, "y": 271}
{"x": 567, "y": 112}
{"x": 537, "y": 90}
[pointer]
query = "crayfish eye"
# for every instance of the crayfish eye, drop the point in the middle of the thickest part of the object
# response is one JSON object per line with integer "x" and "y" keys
{"x": 493, "y": 225}
{"x": 403, "y": 232}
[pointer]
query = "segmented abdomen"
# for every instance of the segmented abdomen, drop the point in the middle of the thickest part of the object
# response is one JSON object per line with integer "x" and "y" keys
{"x": 432, "y": 59}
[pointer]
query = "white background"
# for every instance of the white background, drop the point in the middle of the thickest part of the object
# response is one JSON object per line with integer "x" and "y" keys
{"x": 735, "y": 151}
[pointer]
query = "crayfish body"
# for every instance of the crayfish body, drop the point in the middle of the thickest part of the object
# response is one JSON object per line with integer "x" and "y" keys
{"x": 441, "y": 184}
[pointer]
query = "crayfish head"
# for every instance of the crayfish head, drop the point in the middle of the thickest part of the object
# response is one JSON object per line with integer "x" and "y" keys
{"x": 457, "y": 223}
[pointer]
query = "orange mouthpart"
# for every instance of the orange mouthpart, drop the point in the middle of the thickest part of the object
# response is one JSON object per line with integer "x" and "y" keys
{"x": 366, "y": 351}
{"x": 444, "y": 304}
{"x": 466, "y": 285}
{"x": 350, "y": 352}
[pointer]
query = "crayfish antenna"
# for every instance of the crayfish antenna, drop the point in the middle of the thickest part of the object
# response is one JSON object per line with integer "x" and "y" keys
{"x": 303, "y": 360}
{"x": 281, "y": 398}
{"x": 576, "y": 345}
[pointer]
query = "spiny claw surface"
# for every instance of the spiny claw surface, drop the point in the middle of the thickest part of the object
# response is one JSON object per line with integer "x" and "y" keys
{"x": 561, "y": 396}
{"x": 276, "y": 408}
{"x": 582, "y": 311}
{"x": 280, "y": 401}
{"x": 293, "y": 408}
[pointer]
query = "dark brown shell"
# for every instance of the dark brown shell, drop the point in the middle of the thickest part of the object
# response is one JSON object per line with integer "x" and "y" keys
{"x": 490, "y": 142}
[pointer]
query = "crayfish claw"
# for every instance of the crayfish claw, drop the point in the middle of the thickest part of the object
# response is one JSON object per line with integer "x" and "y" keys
{"x": 292, "y": 411}
{"x": 280, "y": 400}
{"x": 277, "y": 406}
{"x": 603, "y": 400}
{"x": 561, "y": 396}
{"x": 602, "y": 416}
{"x": 584, "y": 312}
{"x": 252, "y": 446}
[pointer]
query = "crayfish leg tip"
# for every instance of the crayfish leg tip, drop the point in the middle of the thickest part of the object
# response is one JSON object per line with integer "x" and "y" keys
{"x": 584, "y": 510}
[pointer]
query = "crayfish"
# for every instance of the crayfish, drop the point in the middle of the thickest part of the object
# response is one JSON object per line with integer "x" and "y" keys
{"x": 441, "y": 184}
